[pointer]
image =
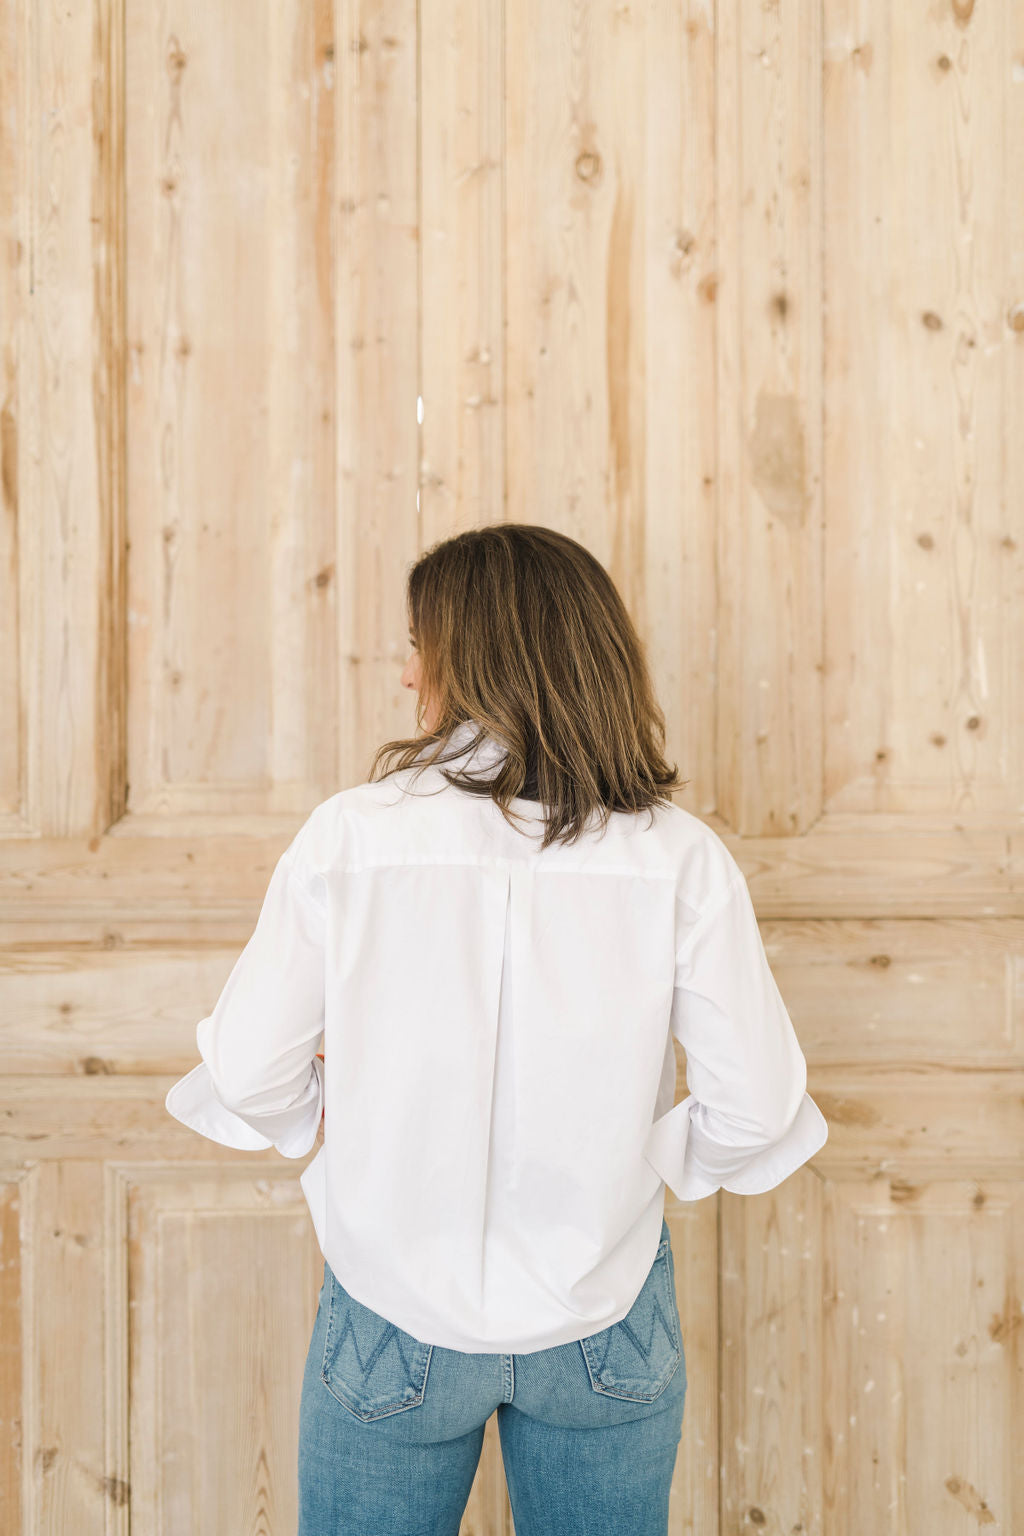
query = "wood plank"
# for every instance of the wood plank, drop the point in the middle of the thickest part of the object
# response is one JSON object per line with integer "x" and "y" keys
{"x": 377, "y": 266}
{"x": 923, "y": 386}
{"x": 769, "y": 618}
{"x": 13, "y": 1375}
{"x": 933, "y": 1118}
{"x": 64, "y": 440}
{"x": 223, "y": 1276}
{"x": 66, "y": 887}
{"x": 231, "y": 411}
{"x": 857, "y": 991}
{"x": 67, "y": 1483}
{"x": 461, "y": 269}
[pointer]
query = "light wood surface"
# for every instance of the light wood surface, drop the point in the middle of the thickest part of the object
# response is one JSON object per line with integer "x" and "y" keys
{"x": 734, "y": 295}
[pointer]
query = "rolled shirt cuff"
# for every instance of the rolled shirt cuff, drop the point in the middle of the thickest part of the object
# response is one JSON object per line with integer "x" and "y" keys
{"x": 694, "y": 1167}
{"x": 193, "y": 1101}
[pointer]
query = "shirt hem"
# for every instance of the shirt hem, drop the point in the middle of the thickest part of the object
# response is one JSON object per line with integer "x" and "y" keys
{"x": 450, "y": 1339}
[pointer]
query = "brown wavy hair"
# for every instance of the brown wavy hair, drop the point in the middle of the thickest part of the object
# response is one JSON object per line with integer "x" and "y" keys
{"x": 522, "y": 633}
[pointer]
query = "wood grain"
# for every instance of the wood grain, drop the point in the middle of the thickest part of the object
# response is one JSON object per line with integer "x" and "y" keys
{"x": 733, "y": 294}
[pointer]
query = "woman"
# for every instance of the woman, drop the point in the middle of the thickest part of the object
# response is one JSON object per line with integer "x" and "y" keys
{"x": 498, "y": 936}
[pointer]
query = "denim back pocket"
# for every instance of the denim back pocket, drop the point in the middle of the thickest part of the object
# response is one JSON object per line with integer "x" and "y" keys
{"x": 370, "y": 1365}
{"x": 636, "y": 1357}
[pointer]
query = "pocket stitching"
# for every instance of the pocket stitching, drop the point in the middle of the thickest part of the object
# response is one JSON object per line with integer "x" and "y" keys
{"x": 368, "y": 1414}
{"x": 660, "y": 1274}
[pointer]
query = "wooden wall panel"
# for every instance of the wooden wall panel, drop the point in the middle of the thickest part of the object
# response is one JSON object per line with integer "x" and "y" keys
{"x": 12, "y": 225}
{"x": 771, "y": 1367}
{"x": 223, "y": 1279}
{"x": 696, "y": 1486}
{"x": 461, "y": 322}
{"x": 924, "y": 368}
{"x": 611, "y": 279}
{"x": 62, "y": 437}
{"x": 231, "y": 516}
{"x": 922, "y": 1396}
{"x": 579, "y": 202}
{"x": 769, "y": 508}
{"x": 13, "y": 1371}
{"x": 735, "y": 295}
{"x": 67, "y": 1482}
{"x": 377, "y": 243}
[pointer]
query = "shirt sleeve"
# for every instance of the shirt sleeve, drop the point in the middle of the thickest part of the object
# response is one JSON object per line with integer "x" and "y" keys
{"x": 747, "y": 1122}
{"x": 260, "y": 1082}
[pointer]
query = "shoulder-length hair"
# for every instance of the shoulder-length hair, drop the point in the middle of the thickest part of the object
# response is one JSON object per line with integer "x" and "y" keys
{"x": 523, "y": 634}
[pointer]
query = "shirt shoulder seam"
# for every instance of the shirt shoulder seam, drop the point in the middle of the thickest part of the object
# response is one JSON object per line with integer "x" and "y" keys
{"x": 288, "y": 860}
{"x": 709, "y": 911}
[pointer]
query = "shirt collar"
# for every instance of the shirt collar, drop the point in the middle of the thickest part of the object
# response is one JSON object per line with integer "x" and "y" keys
{"x": 487, "y": 754}
{"x": 479, "y": 762}
{"x": 462, "y": 734}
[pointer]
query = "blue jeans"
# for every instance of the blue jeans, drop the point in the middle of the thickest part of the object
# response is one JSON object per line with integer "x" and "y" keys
{"x": 390, "y": 1428}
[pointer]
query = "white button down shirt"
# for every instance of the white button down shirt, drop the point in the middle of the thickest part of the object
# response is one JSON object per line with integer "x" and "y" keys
{"x": 498, "y": 1068}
